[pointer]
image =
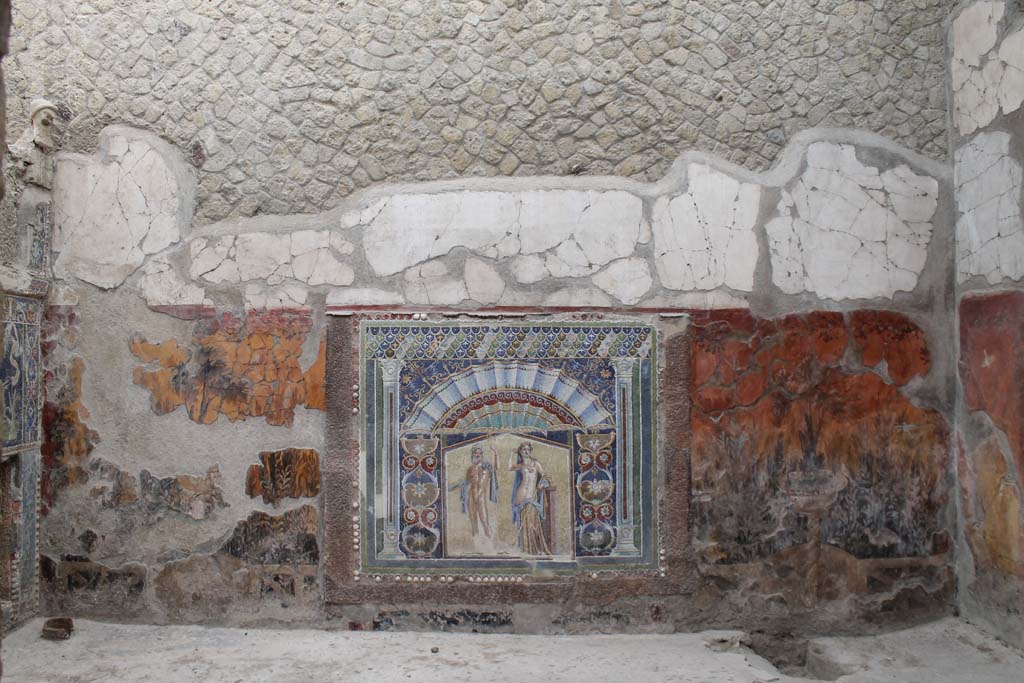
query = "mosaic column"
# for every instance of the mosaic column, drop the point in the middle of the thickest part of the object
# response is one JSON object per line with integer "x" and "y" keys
{"x": 392, "y": 479}
{"x": 624, "y": 523}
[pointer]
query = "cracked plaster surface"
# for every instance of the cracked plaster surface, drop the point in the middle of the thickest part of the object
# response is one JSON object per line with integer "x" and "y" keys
{"x": 131, "y": 199}
{"x": 286, "y": 295}
{"x": 844, "y": 230}
{"x": 579, "y": 231}
{"x": 309, "y": 256}
{"x": 705, "y": 238}
{"x": 431, "y": 283}
{"x": 987, "y": 75}
{"x": 990, "y": 229}
{"x": 848, "y": 231}
{"x": 627, "y": 280}
{"x": 161, "y": 285}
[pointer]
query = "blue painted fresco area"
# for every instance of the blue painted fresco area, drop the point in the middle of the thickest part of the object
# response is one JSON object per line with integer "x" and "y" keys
{"x": 20, "y": 371}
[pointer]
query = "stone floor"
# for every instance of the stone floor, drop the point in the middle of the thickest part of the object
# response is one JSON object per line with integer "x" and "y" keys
{"x": 942, "y": 652}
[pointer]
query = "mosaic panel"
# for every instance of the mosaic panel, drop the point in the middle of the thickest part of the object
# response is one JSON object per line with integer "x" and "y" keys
{"x": 512, "y": 447}
{"x": 19, "y": 372}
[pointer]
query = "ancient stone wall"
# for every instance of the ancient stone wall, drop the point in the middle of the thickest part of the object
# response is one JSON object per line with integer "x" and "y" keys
{"x": 287, "y": 107}
{"x": 22, "y": 291}
{"x": 987, "y": 89}
{"x": 751, "y": 198}
{"x": 202, "y": 459}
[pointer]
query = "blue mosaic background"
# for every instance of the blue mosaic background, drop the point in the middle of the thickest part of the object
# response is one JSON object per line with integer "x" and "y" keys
{"x": 20, "y": 371}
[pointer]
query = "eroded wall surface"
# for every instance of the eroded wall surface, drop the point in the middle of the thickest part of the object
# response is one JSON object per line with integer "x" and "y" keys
{"x": 987, "y": 72}
{"x": 289, "y": 106}
{"x": 189, "y": 467}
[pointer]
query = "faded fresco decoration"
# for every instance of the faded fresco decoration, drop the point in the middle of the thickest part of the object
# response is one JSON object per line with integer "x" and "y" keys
{"x": 234, "y": 367}
{"x": 269, "y": 561}
{"x": 807, "y": 454}
{"x": 508, "y": 446}
{"x": 991, "y": 474}
{"x": 20, "y": 372}
{"x": 68, "y": 439}
{"x": 287, "y": 473}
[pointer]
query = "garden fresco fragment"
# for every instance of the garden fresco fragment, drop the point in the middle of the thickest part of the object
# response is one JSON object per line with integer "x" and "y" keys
{"x": 804, "y": 454}
{"x": 287, "y": 473}
{"x": 238, "y": 368}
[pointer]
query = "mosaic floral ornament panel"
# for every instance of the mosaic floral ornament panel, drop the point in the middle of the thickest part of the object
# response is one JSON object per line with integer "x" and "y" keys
{"x": 508, "y": 447}
{"x": 19, "y": 371}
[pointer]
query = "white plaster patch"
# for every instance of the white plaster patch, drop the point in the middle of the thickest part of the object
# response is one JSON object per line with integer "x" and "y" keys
{"x": 985, "y": 78}
{"x": 287, "y": 295}
{"x": 363, "y": 296}
{"x": 161, "y": 285}
{"x": 715, "y": 299}
{"x": 705, "y": 238}
{"x": 974, "y": 31}
{"x": 529, "y": 269}
{"x": 483, "y": 282}
{"x": 990, "y": 230}
{"x": 568, "y": 260}
{"x": 578, "y": 296}
{"x": 208, "y": 254}
{"x": 1011, "y": 88}
{"x": 259, "y": 255}
{"x": 319, "y": 267}
{"x": 362, "y": 216}
{"x": 412, "y": 228}
{"x": 431, "y": 284}
{"x": 134, "y": 197}
{"x": 597, "y": 226}
{"x": 627, "y": 279}
{"x": 845, "y": 231}
{"x": 310, "y": 256}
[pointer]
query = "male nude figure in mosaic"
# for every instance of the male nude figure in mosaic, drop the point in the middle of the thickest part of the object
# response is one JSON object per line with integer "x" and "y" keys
{"x": 479, "y": 485}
